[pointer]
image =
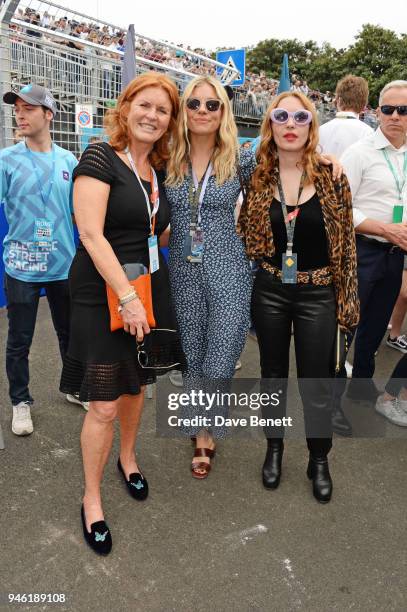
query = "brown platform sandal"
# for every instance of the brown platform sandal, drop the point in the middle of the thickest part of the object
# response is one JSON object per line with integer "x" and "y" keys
{"x": 202, "y": 465}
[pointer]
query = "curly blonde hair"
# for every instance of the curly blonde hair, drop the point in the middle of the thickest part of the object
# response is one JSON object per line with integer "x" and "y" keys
{"x": 226, "y": 147}
{"x": 115, "y": 121}
{"x": 267, "y": 155}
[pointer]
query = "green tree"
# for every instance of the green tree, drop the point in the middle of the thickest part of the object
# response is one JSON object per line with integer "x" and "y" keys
{"x": 378, "y": 54}
{"x": 268, "y": 55}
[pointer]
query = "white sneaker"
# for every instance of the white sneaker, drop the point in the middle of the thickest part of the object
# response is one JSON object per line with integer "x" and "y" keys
{"x": 403, "y": 404}
{"x": 22, "y": 424}
{"x": 349, "y": 369}
{"x": 74, "y": 399}
{"x": 176, "y": 378}
{"x": 391, "y": 410}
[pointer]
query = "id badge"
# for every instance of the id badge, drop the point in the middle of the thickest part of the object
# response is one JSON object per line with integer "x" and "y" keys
{"x": 153, "y": 253}
{"x": 43, "y": 232}
{"x": 194, "y": 246}
{"x": 398, "y": 213}
{"x": 197, "y": 245}
{"x": 289, "y": 268}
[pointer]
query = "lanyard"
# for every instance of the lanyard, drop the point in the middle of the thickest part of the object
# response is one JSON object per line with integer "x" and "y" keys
{"x": 44, "y": 196}
{"x": 400, "y": 185}
{"x": 155, "y": 196}
{"x": 197, "y": 193}
{"x": 344, "y": 116}
{"x": 290, "y": 218}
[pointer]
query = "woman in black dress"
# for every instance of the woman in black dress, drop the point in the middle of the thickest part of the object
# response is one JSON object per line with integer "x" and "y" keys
{"x": 117, "y": 210}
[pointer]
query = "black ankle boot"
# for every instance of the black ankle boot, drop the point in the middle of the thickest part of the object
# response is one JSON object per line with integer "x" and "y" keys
{"x": 272, "y": 463}
{"x": 318, "y": 472}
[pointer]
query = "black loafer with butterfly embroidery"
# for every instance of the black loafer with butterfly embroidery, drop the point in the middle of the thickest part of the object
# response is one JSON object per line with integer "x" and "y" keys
{"x": 99, "y": 538}
{"x": 137, "y": 485}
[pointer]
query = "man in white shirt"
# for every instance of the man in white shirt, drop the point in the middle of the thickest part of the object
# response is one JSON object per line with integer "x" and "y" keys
{"x": 351, "y": 97}
{"x": 377, "y": 171}
{"x": 335, "y": 136}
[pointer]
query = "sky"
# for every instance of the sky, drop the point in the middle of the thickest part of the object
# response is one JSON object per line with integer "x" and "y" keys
{"x": 241, "y": 23}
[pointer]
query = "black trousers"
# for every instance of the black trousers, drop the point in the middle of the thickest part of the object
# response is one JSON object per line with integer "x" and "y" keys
{"x": 398, "y": 379}
{"x": 380, "y": 271}
{"x": 311, "y": 310}
{"x": 22, "y": 305}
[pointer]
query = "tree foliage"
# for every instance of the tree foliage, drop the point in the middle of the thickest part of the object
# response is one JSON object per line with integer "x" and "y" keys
{"x": 378, "y": 54}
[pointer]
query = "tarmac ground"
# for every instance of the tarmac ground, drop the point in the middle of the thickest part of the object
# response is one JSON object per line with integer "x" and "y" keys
{"x": 224, "y": 544}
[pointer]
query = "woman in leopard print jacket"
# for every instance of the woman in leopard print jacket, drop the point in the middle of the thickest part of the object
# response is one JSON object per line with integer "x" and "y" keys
{"x": 297, "y": 222}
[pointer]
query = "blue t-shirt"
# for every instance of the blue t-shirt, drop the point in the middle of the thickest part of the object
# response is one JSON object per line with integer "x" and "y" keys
{"x": 27, "y": 256}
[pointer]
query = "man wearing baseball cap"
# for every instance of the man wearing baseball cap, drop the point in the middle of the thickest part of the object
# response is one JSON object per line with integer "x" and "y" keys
{"x": 35, "y": 186}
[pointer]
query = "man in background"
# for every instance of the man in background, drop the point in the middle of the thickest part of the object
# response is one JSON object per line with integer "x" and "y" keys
{"x": 36, "y": 188}
{"x": 351, "y": 97}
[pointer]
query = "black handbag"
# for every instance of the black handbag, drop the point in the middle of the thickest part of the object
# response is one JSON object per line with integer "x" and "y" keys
{"x": 155, "y": 350}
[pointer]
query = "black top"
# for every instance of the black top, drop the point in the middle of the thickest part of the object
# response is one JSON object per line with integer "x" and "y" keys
{"x": 126, "y": 223}
{"x": 309, "y": 242}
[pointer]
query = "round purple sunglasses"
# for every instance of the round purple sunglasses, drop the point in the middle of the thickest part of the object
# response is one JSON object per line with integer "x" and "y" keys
{"x": 301, "y": 117}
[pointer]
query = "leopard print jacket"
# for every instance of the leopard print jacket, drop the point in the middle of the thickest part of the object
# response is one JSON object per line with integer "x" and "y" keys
{"x": 335, "y": 197}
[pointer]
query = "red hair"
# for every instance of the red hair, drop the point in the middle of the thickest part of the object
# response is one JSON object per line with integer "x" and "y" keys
{"x": 115, "y": 121}
{"x": 267, "y": 156}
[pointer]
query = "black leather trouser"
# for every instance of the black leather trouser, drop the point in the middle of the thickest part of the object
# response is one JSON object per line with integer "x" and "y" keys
{"x": 311, "y": 310}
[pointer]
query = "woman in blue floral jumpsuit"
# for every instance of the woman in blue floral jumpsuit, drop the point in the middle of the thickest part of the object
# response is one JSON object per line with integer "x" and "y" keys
{"x": 212, "y": 298}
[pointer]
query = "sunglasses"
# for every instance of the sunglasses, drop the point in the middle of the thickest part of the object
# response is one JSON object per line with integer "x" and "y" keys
{"x": 281, "y": 116}
{"x": 211, "y": 105}
{"x": 142, "y": 354}
{"x": 389, "y": 110}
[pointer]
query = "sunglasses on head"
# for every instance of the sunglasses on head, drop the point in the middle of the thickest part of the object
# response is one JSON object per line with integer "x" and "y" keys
{"x": 211, "y": 105}
{"x": 387, "y": 109}
{"x": 280, "y": 115}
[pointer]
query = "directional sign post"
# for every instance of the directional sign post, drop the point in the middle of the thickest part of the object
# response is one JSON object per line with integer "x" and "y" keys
{"x": 235, "y": 59}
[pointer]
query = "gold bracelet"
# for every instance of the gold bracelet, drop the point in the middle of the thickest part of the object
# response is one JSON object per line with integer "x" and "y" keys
{"x": 128, "y": 298}
{"x": 121, "y": 306}
{"x": 123, "y": 297}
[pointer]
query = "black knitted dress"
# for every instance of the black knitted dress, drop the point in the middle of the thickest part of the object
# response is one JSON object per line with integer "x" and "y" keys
{"x": 100, "y": 364}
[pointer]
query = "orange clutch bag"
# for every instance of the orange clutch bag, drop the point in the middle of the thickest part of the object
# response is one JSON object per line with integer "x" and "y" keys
{"x": 142, "y": 285}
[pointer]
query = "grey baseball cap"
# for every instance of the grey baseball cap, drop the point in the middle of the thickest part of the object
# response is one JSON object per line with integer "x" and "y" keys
{"x": 33, "y": 94}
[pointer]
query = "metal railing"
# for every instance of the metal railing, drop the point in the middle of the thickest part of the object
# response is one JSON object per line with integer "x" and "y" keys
{"x": 89, "y": 75}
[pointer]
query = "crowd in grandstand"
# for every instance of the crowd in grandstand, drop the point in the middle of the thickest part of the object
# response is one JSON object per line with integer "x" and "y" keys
{"x": 253, "y": 97}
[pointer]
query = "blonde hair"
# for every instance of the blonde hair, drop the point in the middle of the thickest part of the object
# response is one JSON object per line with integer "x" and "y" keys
{"x": 267, "y": 155}
{"x": 226, "y": 146}
{"x": 115, "y": 121}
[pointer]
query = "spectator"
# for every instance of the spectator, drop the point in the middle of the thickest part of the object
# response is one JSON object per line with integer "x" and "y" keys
{"x": 114, "y": 183}
{"x": 351, "y": 98}
{"x": 376, "y": 168}
{"x": 396, "y": 339}
{"x": 39, "y": 246}
{"x": 307, "y": 279}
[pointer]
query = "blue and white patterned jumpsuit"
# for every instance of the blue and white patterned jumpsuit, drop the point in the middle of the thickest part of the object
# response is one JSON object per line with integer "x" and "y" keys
{"x": 212, "y": 298}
